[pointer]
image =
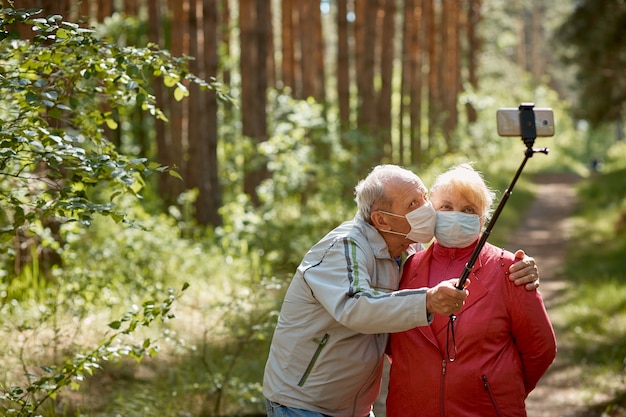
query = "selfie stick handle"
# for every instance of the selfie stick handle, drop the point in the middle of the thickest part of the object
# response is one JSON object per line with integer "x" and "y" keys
{"x": 529, "y": 134}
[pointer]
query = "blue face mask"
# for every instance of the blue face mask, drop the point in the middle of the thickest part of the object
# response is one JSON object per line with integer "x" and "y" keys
{"x": 456, "y": 229}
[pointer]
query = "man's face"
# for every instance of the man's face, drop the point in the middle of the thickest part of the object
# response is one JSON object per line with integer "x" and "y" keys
{"x": 405, "y": 197}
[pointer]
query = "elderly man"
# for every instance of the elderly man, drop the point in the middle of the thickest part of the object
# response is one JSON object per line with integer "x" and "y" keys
{"x": 327, "y": 353}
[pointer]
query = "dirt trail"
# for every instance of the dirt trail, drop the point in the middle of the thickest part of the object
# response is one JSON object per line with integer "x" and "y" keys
{"x": 543, "y": 235}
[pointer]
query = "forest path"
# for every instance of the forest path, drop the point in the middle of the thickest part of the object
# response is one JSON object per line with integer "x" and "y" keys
{"x": 543, "y": 235}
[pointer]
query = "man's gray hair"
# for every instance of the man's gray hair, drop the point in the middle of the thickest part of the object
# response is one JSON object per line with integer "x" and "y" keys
{"x": 372, "y": 189}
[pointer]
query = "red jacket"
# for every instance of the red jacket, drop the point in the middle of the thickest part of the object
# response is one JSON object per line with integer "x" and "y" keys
{"x": 504, "y": 342}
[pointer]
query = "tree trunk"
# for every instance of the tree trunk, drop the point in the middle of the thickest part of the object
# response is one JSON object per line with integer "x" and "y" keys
{"x": 473, "y": 51}
{"x": 412, "y": 80}
{"x": 252, "y": 15}
{"x": 343, "y": 65}
{"x": 432, "y": 41}
{"x": 84, "y": 10}
{"x": 320, "y": 93}
{"x": 211, "y": 192}
{"x": 225, "y": 38}
{"x": 197, "y": 128}
{"x": 408, "y": 30}
{"x": 131, "y": 7}
{"x": 308, "y": 46}
{"x": 104, "y": 9}
{"x": 387, "y": 55}
{"x": 162, "y": 134}
{"x": 178, "y": 110}
{"x": 538, "y": 64}
{"x": 52, "y": 7}
{"x": 365, "y": 54}
{"x": 271, "y": 63}
{"x": 312, "y": 49}
{"x": 288, "y": 47}
{"x": 202, "y": 169}
{"x": 449, "y": 69}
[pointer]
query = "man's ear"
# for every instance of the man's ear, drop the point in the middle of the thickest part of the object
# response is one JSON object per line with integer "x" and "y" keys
{"x": 379, "y": 221}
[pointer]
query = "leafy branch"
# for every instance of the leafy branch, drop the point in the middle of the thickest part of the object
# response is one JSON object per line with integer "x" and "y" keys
{"x": 59, "y": 92}
{"x": 25, "y": 401}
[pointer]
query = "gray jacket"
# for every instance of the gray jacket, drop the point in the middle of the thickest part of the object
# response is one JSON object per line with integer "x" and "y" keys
{"x": 328, "y": 347}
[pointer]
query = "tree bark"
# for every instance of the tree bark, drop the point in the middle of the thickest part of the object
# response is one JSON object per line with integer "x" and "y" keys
{"x": 308, "y": 46}
{"x": 320, "y": 85}
{"x": 538, "y": 64}
{"x": 84, "y": 10}
{"x": 473, "y": 52}
{"x": 365, "y": 41}
{"x": 178, "y": 110}
{"x": 194, "y": 177}
{"x": 387, "y": 56}
{"x": 449, "y": 85}
{"x": 271, "y": 62}
{"x": 225, "y": 37}
{"x": 162, "y": 133}
{"x": 432, "y": 42}
{"x": 343, "y": 65}
{"x": 412, "y": 81}
{"x": 104, "y": 9}
{"x": 408, "y": 30}
{"x": 131, "y": 7}
{"x": 212, "y": 191}
{"x": 288, "y": 47}
{"x": 252, "y": 15}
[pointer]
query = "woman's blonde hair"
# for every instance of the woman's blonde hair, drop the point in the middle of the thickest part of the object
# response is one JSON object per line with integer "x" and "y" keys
{"x": 465, "y": 180}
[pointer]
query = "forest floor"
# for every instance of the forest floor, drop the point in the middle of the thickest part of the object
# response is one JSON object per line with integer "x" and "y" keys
{"x": 543, "y": 235}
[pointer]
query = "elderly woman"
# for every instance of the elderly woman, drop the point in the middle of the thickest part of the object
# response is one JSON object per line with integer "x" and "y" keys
{"x": 488, "y": 359}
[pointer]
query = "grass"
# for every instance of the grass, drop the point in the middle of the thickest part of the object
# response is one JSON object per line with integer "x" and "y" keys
{"x": 213, "y": 353}
{"x": 594, "y": 317}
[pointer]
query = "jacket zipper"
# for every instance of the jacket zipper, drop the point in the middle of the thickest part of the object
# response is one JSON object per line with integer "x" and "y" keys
{"x": 493, "y": 399}
{"x": 321, "y": 343}
{"x": 442, "y": 393}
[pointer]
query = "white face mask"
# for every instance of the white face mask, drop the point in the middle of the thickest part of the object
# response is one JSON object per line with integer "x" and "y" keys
{"x": 456, "y": 229}
{"x": 422, "y": 221}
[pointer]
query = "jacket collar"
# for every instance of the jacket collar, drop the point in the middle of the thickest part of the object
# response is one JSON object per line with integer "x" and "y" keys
{"x": 373, "y": 236}
{"x": 439, "y": 250}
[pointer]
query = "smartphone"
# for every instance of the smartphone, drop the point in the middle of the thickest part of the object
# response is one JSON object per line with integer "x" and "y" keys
{"x": 508, "y": 122}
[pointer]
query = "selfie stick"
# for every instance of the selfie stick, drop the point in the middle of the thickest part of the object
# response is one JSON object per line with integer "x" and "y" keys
{"x": 529, "y": 134}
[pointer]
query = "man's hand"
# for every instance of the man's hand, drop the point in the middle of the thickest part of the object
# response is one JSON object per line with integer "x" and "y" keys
{"x": 445, "y": 299}
{"x": 524, "y": 271}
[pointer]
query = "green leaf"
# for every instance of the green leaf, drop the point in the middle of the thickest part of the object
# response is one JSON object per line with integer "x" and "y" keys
{"x": 62, "y": 34}
{"x": 175, "y": 174}
{"x": 180, "y": 93}
{"x": 55, "y": 113}
{"x": 31, "y": 97}
{"x": 112, "y": 124}
{"x": 170, "y": 81}
{"x": 115, "y": 325}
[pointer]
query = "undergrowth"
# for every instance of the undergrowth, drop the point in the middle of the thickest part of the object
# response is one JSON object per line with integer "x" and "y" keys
{"x": 595, "y": 314}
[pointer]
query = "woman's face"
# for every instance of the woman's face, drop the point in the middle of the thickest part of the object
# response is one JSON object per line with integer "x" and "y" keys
{"x": 449, "y": 199}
